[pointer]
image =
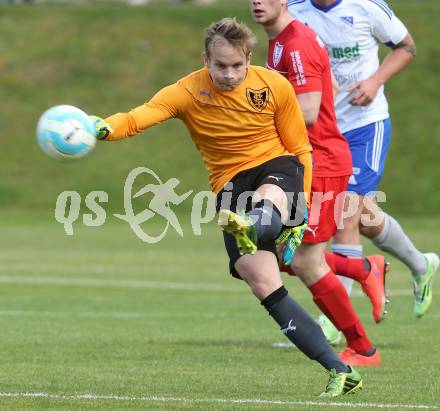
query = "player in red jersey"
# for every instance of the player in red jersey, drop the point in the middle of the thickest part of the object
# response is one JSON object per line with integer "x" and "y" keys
{"x": 296, "y": 52}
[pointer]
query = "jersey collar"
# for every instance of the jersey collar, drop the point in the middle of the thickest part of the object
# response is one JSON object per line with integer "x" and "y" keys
{"x": 325, "y": 9}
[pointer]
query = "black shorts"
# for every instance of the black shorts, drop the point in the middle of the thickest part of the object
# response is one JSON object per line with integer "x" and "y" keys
{"x": 285, "y": 172}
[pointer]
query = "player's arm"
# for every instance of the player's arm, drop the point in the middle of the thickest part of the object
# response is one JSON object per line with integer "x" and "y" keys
{"x": 389, "y": 30}
{"x": 308, "y": 85}
{"x": 166, "y": 104}
{"x": 310, "y": 104}
{"x": 395, "y": 61}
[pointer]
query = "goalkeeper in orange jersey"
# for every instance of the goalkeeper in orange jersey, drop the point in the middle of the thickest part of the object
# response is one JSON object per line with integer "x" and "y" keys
{"x": 248, "y": 126}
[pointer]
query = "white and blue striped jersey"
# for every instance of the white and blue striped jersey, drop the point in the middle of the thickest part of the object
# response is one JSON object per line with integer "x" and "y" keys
{"x": 352, "y": 31}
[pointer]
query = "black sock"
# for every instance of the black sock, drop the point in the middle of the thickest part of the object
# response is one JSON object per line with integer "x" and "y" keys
{"x": 300, "y": 328}
{"x": 267, "y": 217}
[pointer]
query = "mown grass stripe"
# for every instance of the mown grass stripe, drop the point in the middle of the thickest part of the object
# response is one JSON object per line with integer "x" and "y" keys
{"x": 94, "y": 282}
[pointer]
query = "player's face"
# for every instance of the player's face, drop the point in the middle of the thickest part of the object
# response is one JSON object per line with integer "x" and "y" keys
{"x": 226, "y": 64}
{"x": 265, "y": 12}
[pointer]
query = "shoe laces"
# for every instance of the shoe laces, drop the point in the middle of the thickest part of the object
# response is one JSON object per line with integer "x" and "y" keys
{"x": 418, "y": 290}
{"x": 335, "y": 382}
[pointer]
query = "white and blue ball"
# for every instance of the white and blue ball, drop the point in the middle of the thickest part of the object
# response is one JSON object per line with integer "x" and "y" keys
{"x": 65, "y": 132}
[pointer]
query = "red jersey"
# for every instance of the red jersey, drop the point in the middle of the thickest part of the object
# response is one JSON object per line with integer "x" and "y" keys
{"x": 299, "y": 55}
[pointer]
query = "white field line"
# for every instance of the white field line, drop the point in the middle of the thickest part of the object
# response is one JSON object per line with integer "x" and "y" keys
{"x": 323, "y": 404}
{"x": 126, "y": 315}
{"x": 162, "y": 285}
{"x": 41, "y": 268}
{"x": 94, "y": 282}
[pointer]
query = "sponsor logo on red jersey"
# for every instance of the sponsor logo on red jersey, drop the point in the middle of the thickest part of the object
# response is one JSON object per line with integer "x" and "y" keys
{"x": 298, "y": 68}
{"x": 277, "y": 53}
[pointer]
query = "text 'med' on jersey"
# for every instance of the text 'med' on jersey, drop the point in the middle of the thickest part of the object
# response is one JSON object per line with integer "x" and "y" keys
{"x": 299, "y": 55}
{"x": 352, "y": 31}
{"x": 234, "y": 130}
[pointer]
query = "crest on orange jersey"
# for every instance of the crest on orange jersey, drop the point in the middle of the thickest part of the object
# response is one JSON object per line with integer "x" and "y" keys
{"x": 258, "y": 99}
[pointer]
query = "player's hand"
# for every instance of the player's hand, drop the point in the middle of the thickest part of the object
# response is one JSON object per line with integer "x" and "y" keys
{"x": 102, "y": 129}
{"x": 290, "y": 239}
{"x": 364, "y": 92}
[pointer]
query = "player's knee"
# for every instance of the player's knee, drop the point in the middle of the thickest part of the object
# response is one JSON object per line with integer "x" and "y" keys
{"x": 347, "y": 231}
{"x": 306, "y": 268}
{"x": 370, "y": 231}
{"x": 299, "y": 263}
{"x": 351, "y": 223}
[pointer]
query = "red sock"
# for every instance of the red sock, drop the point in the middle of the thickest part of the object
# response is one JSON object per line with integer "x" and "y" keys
{"x": 347, "y": 267}
{"x": 331, "y": 297}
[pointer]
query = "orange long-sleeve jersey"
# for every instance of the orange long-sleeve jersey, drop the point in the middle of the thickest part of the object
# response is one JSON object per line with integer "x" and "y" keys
{"x": 234, "y": 130}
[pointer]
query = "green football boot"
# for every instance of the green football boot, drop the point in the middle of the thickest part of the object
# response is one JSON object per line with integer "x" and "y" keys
{"x": 332, "y": 334}
{"x": 423, "y": 285}
{"x": 242, "y": 228}
{"x": 342, "y": 384}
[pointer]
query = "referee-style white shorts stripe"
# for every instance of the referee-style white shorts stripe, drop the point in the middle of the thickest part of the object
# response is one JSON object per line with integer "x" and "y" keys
{"x": 377, "y": 145}
{"x": 380, "y": 127}
{"x": 382, "y": 136}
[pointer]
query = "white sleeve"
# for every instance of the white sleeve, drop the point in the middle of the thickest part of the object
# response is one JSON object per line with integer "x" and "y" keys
{"x": 385, "y": 26}
{"x": 295, "y": 6}
{"x": 293, "y": 3}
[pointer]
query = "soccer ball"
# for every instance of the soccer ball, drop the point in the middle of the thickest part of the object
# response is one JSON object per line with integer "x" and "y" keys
{"x": 65, "y": 132}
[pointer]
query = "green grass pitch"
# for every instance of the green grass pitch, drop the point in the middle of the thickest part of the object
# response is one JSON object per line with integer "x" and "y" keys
{"x": 163, "y": 327}
{"x": 102, "y": 321}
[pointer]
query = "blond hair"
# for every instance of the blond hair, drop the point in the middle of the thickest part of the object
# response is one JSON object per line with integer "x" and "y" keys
{"x": 235, "y": 33}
